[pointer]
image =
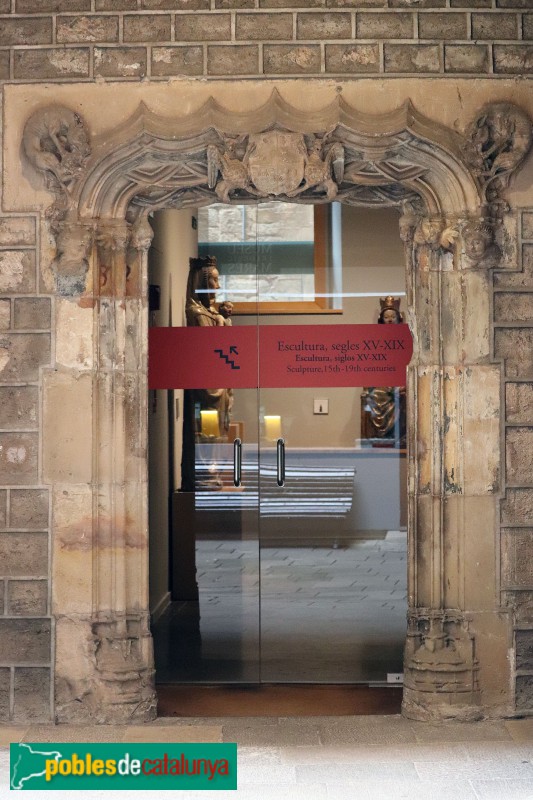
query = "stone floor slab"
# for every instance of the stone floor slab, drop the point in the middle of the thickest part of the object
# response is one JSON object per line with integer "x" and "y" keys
{"x": 518, "y": 789}
{"x": 403, "y": 790}
{"x": 11, "y": 734}
{"x": 175, "y": 733}
{"x": 521, "y": 730}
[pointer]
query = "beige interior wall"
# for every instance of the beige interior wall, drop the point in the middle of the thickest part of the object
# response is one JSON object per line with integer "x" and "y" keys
{"x": 175, "y": 241}
{"x": 373, "y": 260}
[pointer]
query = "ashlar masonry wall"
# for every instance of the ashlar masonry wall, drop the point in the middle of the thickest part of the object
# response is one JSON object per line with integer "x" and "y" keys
{"x": 128, "y": 51}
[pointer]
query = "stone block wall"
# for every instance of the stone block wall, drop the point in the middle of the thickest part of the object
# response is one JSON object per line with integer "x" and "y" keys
{"x": 157, "y": 39}
{"x": 77, "y": 41}
{"x": 513, "y": 345}
{"x": 25, "y": 347}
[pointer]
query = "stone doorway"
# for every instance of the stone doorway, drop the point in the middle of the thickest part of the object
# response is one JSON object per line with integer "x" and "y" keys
{"x": 454, "y": 227}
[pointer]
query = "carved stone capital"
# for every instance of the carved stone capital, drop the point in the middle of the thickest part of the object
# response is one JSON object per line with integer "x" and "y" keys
{"x": 497, "y": 141}
{"x": 112, "y": 236}
{"x": 141, "y": 234}
{"x": 435, "y": 232}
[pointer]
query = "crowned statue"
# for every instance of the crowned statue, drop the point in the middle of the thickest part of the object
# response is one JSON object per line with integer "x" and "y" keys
{"x": 383, "y": 408}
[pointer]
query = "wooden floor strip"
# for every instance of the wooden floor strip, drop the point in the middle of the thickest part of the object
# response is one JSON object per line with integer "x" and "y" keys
{"x": 276, "y": 700}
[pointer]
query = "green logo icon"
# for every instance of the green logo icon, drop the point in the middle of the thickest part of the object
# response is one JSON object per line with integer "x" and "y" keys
{"x": 123, "y": 766}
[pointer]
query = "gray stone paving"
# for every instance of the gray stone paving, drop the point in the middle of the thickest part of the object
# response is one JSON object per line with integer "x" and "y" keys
{"x": 328, "y": 758}
{"x": 327, "y": 614}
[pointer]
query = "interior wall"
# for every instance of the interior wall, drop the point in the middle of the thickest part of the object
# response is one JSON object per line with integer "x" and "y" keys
{"x": 373, "y": 260}
{"x": 175, "y": 241}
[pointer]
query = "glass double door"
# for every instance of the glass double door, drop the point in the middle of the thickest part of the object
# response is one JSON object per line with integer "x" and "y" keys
{"x": 292, "y": 512}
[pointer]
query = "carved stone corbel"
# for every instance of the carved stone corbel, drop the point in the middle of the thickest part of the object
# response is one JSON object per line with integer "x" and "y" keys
{"x": 56, "y": 143}
{"x": 497, "y": 141}
{"x": 74, "y": 241}
{"x": 479, "y": 245}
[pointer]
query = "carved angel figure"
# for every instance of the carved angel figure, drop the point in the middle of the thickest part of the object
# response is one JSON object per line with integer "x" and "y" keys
{"x": 234, "y": 171}
{"x": 319, "y": 170}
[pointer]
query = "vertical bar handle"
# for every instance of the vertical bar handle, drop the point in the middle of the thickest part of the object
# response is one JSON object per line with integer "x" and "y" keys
{"x": 237, "y": 462}
{"x": 281, "y": 462}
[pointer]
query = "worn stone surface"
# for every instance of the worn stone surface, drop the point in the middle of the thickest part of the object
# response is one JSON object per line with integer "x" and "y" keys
{"x": 115, "y": 5}
{"x": 465, "y": 58}
{"x": 393, "y": 25}
{"x": 74, "y": 334}
{"x": 21, "y": 355}
{"x": 203, "y": 27}
{"x": 442, "y": 26}
{"x": 24, "y": 554}
{"x": 29, "y": 508}
{"x": 36, "y": 30}
{"x": 323, "y": 26}
{"x": 516, "y": 59}
{"x": 524, "y": 693}
{"x": 263, "y": 26}
{"x": 5, "y": 314}
{"x": 148, "y": 28}
{"x": 517, "y": 507}
{"x": 18, "y": 458}
{"x": 87, "y": 29}
{"x": 178, "y": 5}
{"x": 41, "y": 6}
{"x": 17, "y": 271}
{"x": 32, "y": 695}
{"x": 72, "y": 584}
{"x": 17, "y": 231}
{"x": 27, "y": 598}
{"x": 513, "y": 307}
{"x": 232, "y": 60}
{"x": 519, "y": 403}
{"x": 32, "y": 313}
{"x": 527, "y": 225}
{"x": 288, "y": 59}
{"x": 519, "y": 455}
{"x": 177, "y": 60}
{"x": 19, "y": 407}
{"x": 51, "y": 63}
{"x": 3, "y": 508}
{"x": 25, "y": 641}
{"x": 412, "y": 58}
{"x": 230, "y": 3}
{"x": 5, "y": 692}
{"x": 116, "y": 62}
{"x": 515, "y": 346}
{"x": 517, "y": 563}
{"x": 67, "y": 456}
{"x": 4, "y": 65}
{"x": 524, "y": 650}
{"x": 352, "y": 58}
{"x": 495, "y": 26}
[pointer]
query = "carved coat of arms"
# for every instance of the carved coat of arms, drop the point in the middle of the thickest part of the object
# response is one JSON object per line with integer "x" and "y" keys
{"x": 276, "y": 161}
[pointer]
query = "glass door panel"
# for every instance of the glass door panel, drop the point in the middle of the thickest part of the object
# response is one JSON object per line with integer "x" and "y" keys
{"x": 333, "y": 537}
{"x": 210, "y": 632}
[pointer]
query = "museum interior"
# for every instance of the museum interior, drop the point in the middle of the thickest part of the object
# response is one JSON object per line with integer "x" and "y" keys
{"x": 303, "y": 583}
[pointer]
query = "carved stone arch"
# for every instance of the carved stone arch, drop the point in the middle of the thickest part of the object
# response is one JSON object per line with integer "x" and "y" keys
{"x": 450, "y": 188}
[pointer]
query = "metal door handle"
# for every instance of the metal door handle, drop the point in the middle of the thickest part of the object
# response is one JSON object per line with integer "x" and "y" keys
{"x": 281, "y": 461}
{"x": 237, "y": 462}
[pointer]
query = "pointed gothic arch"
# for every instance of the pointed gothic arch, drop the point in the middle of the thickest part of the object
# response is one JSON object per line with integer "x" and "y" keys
{"x": 448, "y": 185}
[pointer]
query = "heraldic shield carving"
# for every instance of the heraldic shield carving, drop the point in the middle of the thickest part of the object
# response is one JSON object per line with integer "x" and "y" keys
{"x": 276, "y": 161}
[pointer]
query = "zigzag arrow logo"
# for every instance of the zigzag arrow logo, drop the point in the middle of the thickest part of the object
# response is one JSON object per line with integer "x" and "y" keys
{"x": 227, "y": 359}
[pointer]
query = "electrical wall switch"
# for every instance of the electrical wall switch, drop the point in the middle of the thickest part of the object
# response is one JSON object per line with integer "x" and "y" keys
{"x": 321, "y": 405}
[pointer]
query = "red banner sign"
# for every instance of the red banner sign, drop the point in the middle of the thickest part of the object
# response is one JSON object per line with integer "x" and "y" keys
{"x": 279, "y": 356}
